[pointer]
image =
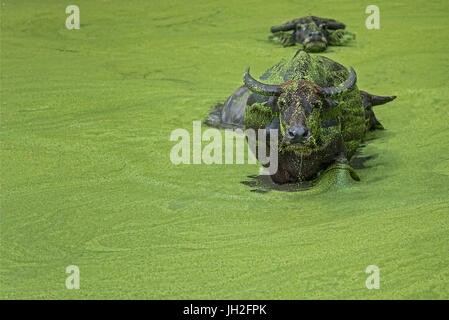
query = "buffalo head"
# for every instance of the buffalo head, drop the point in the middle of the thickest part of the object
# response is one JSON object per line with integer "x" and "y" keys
{"x": 300, "y": 104}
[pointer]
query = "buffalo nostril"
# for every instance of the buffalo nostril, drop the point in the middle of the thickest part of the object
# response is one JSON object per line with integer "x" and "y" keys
{"x": 300, "y": 132}
{"x": 305, "y": 133}
{"x": 297, "y": 133}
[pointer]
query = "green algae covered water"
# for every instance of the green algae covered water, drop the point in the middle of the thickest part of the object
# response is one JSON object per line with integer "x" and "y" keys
{"x": 87, "y": 179}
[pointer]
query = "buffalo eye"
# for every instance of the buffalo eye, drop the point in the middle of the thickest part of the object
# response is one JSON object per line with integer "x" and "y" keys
{"x": 317, "y": 104}
{"x": 329, "y": 104}
{"x": 281, "y": 104}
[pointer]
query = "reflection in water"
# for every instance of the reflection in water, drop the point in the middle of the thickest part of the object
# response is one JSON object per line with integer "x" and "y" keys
{"x": 264, "y": 184}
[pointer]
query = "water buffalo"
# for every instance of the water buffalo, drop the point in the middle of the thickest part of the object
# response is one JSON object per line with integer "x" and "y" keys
{"x": 313, "y": 33}
{"x": 314, "y": 103}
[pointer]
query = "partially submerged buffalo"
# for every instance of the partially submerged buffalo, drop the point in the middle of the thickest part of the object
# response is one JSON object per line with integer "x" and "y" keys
{"x": 313, "y": 33}
{"x": 314, "y": 104}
